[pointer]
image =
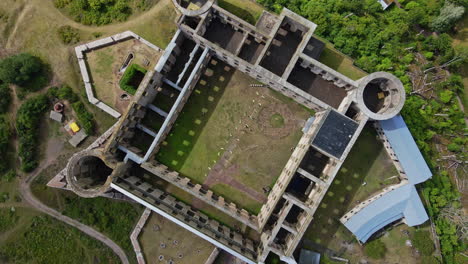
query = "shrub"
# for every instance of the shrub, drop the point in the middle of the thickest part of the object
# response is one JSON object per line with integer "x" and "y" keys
{"x": 5, "y": 98}
{"x": 423, "y": 243}
{"x": 66, "y": 93}
{"x": 4, "y": 143}
{"x": 375, "y": 249}
{"x": 132, "y": 73}
{"x": 85, "y": 118}
{"x": 96, "y": 12}
{"x": 27, "y": 125}
{"x": 21, "y": 69}
{"x": 68, "y": 34}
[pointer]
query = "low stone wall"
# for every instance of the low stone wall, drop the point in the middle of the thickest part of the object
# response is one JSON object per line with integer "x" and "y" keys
{"x": 97, "y": 44}
{"x": 136, "y": 232}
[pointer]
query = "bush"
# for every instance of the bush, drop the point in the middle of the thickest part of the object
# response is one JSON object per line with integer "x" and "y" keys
{"x": 5, "y": 98}
{"x": 66, "y": 93}
{"x": 375, "y": 249}
{"x": 127, "y": 82}
{"x": 27, "y": 125}
{"x": 423, "y": 243}
{"x": 96, "y": 12}
{"x": 24, "y": 70}
{"x": 4, "y": 143}
{"x": 68, "y": 34}
{"x": 85, "y": 118}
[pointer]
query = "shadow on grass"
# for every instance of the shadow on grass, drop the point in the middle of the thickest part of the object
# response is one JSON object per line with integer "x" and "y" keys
{"x": 240, "y": 12}
{"x": 194, "y": 117}
{"x": 326, "y": 222}
{"x": 331, "y": 58}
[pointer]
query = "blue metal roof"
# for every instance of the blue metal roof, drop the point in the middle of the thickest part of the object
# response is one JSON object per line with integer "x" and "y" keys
{"x": 406, "y": 150}
{"x": 401, "y": 202}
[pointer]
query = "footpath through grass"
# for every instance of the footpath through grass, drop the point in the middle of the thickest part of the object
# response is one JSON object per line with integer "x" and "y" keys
{"x": 42, "y": 239}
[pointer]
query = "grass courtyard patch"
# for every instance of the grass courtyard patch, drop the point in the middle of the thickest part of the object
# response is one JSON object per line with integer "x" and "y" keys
{"x": 366, "y": 171}
{"x": 161, "y": 237}
{"x": 105, "y": 66}
{"x": 225, "y": 135}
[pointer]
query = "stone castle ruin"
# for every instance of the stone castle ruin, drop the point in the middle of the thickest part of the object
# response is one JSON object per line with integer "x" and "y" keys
{"x": 281, "y": 52}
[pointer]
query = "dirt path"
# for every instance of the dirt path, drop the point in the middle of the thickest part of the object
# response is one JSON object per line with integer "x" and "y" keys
{"x": 23, "y": 12}
{"x": 53, "y": 147}
{"x": 35, "y": 203}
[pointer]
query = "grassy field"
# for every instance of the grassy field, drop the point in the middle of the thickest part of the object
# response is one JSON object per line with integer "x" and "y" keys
{"x": 32, "y": 26}
{"x": 220, "y": 136}
{"x": 245, "y": 9}
{"x": 58, "y": 242}
{"x": 104, "y": 65}
{"x": 367, "y": 163}
{"x": 100, "y": 213}
{"x": 339, "y": 62}
{"x": 180, "y": 245}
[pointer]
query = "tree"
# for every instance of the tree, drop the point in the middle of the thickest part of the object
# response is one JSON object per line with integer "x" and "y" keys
{"x": 19, "y": 69}
{"x": 449, "y": 14}
{"x": 375, "y": 249}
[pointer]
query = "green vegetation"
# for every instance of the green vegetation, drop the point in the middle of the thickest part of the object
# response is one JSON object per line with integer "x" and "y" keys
{"x": 48, "y": 241}
{"x": 393, "y": 41}
{"x": 100, "y": 12}
{"x": 5, "y": 134}
{"x": 375, "y": 249}
{"x": 277, "y": 120}
{"x": 8, "y": 219}
{"x": 214, "y": 125}
{"x": 247, "y": 10}
{"x": 24, "y": 70}
{"x": 85, "y": 118}
{"x": 5, "y": 98}
{"x": 449, "y": 15}
{"x": 132, "y": 78}
{"x": 68, "y": 34}
{"x": 237, "y": 197}
{"x": 340, "y": 62}
{"x": 27, "y": 125}
{"x": 367, "y": 162}
{"x": 105, "y": 216}
{"x": 423, "y": 242}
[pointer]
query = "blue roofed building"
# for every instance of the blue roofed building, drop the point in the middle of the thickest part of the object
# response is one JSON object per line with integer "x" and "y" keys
{"x": 403, "y": 149}
{"x": 395, "y": 202}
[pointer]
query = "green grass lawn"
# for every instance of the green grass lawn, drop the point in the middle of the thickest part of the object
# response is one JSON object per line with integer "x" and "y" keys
{"x": 339, "y": 62}
{"x": 42, "y": 239}
{"x": 175, "y": 150}
{"x": 233, "y": 194}
{"x": 247, "y": 10}
{"x": 367, "y": 163}
{"x": 227, "y": 119}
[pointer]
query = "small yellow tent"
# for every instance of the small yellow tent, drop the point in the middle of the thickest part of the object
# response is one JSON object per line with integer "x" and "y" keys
{"x": 74, "y": 127}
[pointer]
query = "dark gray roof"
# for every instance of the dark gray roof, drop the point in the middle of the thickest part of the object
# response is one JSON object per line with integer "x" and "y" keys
{"x": 314, "y": 48}
{"x": 335, "y": 134}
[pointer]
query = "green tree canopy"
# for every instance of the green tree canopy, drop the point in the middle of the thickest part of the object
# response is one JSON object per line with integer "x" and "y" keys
{"x": 19, "y": 69}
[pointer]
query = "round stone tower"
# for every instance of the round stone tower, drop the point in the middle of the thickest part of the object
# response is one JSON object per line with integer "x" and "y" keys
{"x": 88, "y": 174}
{"x": 380, "y": 95}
